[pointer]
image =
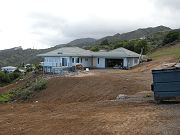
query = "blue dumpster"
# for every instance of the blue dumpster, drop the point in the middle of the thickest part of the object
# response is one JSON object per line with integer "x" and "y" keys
{"x": 166, "y": 84}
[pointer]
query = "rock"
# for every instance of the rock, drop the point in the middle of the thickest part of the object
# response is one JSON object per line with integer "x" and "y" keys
{"x": 121, "y": 97}
{"x": 87, "y": 69}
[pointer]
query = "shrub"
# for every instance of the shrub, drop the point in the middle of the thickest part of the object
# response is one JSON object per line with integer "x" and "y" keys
{"x": 40, "y": 85}
{"x": 14, "y": 75}
{"x": 5, "y": 97}
{"x": 26, "y": 92}
{"x": 104, "y": 42}
{"x": 21, "y": 94}
{"x": 4, "y": 77}
{"x": 171, "y": 37}
{"x": 94, "y": 49}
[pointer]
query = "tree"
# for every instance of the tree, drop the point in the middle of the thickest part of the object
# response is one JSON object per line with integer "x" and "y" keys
{"x": 105, "y": 42}
{"x": 141, "y": 44}
{"x": 4, "y": 77}
{"x": 94, "y": 49}
{"x": 171, "y": 37}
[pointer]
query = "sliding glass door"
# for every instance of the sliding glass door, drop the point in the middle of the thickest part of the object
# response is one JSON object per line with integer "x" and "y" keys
{"x": 64, "y": 62}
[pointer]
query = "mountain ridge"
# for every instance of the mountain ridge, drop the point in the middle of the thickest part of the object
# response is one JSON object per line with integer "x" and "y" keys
{"x": 16, "y": 56}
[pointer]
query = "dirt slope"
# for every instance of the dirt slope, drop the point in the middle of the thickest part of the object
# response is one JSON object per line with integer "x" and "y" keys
{"x": 93, "y": 88}
{"x": 80, "y": 106}
{"x": 103, "y": 85}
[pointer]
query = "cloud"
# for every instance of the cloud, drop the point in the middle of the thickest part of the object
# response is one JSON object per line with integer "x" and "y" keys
{"x": 48, "y": 28}
{"x": 171, "y": 4}
{"x": 45, "y": 23}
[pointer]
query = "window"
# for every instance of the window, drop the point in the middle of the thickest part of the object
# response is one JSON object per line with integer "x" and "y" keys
{"x": 81, "y": 60}
{"x": 77, "y": 60}
{"x": 135, "y": 60}
{"x": 98, "y": 60}
{"x": 86, "y": 59}
{"x": 72, "y": 60}
{"x": 64, "y": 61}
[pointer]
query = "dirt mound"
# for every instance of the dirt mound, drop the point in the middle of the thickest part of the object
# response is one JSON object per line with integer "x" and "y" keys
{"x": 102, "y": 85}
{"x": 91, "y": 88}
{"x": 94, "y": 114}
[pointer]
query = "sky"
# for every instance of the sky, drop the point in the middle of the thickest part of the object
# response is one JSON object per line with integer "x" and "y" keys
{"x": 45, "y": 23}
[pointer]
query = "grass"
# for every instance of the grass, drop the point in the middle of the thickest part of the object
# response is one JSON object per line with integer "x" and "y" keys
{"x": 29, "y": 89}
{"x": 6, "y": 97}
{"x": 173, "y": 51}
{"x": 25, "y": 92}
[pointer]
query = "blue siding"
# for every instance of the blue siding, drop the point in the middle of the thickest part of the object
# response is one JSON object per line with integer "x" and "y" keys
{"x": 166, "y": 75}
{"x": 166, "y": 83}
{"x": 171, "y": 86}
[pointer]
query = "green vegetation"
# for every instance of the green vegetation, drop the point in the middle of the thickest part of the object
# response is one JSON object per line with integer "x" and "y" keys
{"x": 153, "y": 37}
{"x": 6, "y": 78}
{"x": 171, "y": 37}
{"x": 133, "y": 45}
{"x": 104, "y": 42}
{"x": 25, "y": 92}
{"x": 167, "y": 51}
{"x": 148, "y": 43}
{"x": 5, "y": 98}
{"x": 94, "y": 49}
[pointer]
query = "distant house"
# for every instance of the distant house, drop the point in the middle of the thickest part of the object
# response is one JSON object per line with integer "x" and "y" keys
{"x": 70, "y": 56}
{"x": 9, "y": 69}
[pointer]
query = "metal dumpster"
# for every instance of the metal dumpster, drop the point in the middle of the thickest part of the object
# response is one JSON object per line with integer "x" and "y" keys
{"x": 166, "y": 84}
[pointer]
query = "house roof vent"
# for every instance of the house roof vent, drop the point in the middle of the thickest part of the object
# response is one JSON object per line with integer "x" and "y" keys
{"x": 60, "y": 53}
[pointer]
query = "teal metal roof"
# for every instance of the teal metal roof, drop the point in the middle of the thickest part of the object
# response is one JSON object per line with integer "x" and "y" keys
{"x": 68, "y": 51}
{"x": 76, "y": 51}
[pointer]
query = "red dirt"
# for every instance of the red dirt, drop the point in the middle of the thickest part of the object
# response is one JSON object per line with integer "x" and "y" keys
{"x": 85, "y": 106}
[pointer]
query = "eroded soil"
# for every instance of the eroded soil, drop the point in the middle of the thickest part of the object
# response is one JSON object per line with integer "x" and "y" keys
{"x": 86, "y": 106}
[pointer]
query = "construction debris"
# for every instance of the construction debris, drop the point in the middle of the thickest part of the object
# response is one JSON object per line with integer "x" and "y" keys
{"x": 121, "y": 97}
{"x": 168, "y": 66}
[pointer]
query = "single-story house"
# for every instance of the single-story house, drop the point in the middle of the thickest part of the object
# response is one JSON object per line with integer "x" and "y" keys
{"x": 70, "y": 56}
{"x": 9, "y": 69}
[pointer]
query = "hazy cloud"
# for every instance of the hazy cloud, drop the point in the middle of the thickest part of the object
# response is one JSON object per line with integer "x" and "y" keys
{"x": 41, "y": 24}
{"x": 171, "y": 4}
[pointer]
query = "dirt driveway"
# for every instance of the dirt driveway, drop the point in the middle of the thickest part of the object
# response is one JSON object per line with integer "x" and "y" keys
{"x": 87, "y": 106}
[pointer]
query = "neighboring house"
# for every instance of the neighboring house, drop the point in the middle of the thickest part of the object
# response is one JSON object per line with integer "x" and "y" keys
{"x": 70, "y": 56}
{"x": 9, "y": 69}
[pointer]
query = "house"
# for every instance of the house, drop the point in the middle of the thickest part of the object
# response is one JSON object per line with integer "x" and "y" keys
{"x": 67, "y": 57}
{"x": 9, "y": 69}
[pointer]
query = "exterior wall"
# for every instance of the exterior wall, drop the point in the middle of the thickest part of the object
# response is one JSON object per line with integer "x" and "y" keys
{"x": 9, "y": 70}
{"x": 87, "y": 62}
{"x": 97, "y": 62}
{"x": 50, "y": 62}
{"x": 132, "y": 62}
{"x": 55, "y": 61}
{"x": 94, "y": 62}
{"x": 125, "y": 62}
{"x": 84, "y": 61}
{"x": 101, "y": 63}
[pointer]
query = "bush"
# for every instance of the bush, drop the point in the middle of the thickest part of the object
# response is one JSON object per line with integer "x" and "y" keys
{"x": 14, "y": 75}
{"x": 5, "y": 98}
{"x": 171, "y": 37}
{"x": 21, "y": 94}
{"x": 105, "y": 42}
{"x": 29, "y": 88}
{"x": 40, "y": 85}
{"x": 4, "y": 77}
{"x": 94, "y": 49}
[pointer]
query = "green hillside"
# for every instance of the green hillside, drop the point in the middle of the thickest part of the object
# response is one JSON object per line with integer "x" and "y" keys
{"x": 147, "y": 38}
{"x": 169, "y": 51}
